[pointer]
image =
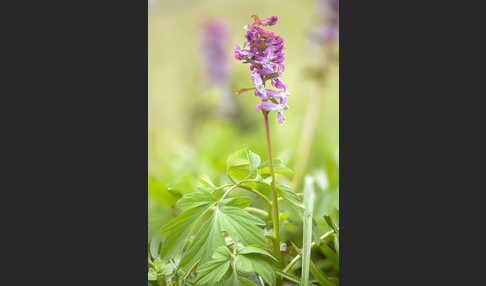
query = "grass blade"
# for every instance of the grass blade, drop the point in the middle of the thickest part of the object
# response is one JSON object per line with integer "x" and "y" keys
{"x": 307, "y": 240}
{"x": 320, "y": 276}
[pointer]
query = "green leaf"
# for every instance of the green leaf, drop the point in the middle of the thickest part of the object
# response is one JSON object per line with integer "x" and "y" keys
{"x": 245, "y": 282}
{"x": 195, "y": 199}
{"x": 255, "y": 161}
{"x": 213, "y": 270}
{"x": 244, "y": 265}
{"x": 158, "y": 191}
{"x": 287, "y": 194}
{"x": 307, "y": 225}
{"x": 315, "y": 234}
{"x": 239, "y": 202}
{"x": 327, "y": 201}
{"x": 239, "y": 172}
{"x": 155, "y": 245}
{"x": 331, "y": 223}
{"x": 254, "y": 259}
{"x": 238, "y": 165}
{"x": 207, "y": 181}
{"x": 239, "y": 157}
{"x": 204, "y": 244}
{"x": 263, "y": 267}
{"x": 242, "y": 164}
{"x": 183, "y": 186}
{"x": 289, "y": 277}
{"x": 216, "y": 268}
{"x": 241, "y": 226}
{"x": 158, "y": 215}
{"x": 233, "y": 279}
{"x": 221, "y": 271}
{"x": 278, "y": 166}
{"x": 255, "y": 250}
{"x": 152, "y": 275}
{"x": 194, "y": 205}
{"x": 222, "y": 252}
{"x": 178, "y": 230}
{"x": 320, "y": 276}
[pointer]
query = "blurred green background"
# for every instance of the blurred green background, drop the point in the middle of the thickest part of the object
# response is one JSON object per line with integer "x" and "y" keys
{"x": 187, "y": 136}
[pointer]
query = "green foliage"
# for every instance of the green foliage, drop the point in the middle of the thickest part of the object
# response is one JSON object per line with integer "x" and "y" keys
{"x": 227, "y": 268}
{"x": 214, "y": 240}
{"x": 215, "y": 269}
{"x": 160, "y": 193}
{"x": 242, "y": 226}
{"x": 239, "y": 164}
{"x": 278, "y": 166}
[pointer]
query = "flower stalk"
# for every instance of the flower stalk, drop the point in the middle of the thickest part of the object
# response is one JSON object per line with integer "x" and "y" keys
{"x": 275, "y": 211}
{"x": 263, "y": 50}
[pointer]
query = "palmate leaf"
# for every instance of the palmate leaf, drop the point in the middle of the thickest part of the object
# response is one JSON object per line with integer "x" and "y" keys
{"x": 215, "y": 269}
{"x": 263, "y": 267}
{"x": 241, "y": 226}
{"x": 232, "y": 278}
{"x": 205, "y": 217}
{"x": 194, "y": 205}
{"x": 253, "y": 259}
{"x": 178, "y": 231}
{"x": 224, "y": 269}
{"x": 195, "y": 199}
{"x": 205, "y": 242}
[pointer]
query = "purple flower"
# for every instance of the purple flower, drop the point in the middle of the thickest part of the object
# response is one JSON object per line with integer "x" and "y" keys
{"x": 214, "y": 38}
{"x": 329, "y": 29}
{"x": 263, "y": 50}
{"x": 270, "y": 106}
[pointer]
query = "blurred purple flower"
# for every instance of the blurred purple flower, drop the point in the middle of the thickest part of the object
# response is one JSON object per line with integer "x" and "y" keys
{"x": 214, "y": 38}
{"x": 263, "y": 51}
{"x": 329, "y": 29}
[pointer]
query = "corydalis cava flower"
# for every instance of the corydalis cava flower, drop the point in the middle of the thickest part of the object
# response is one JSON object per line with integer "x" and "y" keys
{"x": 214, "y": 37}
{"x": 329, "y": 29}
{"x": 263, "y": 51}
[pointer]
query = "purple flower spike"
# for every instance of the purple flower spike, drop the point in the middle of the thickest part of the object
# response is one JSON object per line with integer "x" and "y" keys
{"x": 215, "y": 34}
{"x": 329, "y": 29}
{"x": 263, "y": 50}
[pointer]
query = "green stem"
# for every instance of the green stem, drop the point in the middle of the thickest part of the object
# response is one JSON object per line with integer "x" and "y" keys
{"x": 239, "y": 185}
{"x": 232, "y": 188}
{"x": 305, "y": 144}
{"x": 193, "y": 267}
{"x": 222, "y": 187}
{"x": 257, "y": 211}
{"x": 264, "y": 198}
{"x": 299, "y": 256}
{"x": 275, "y": 212}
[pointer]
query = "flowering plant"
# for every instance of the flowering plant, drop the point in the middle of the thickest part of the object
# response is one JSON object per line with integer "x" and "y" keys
{"x": 221, "y": 237}
{"x": 263, "y": 50}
